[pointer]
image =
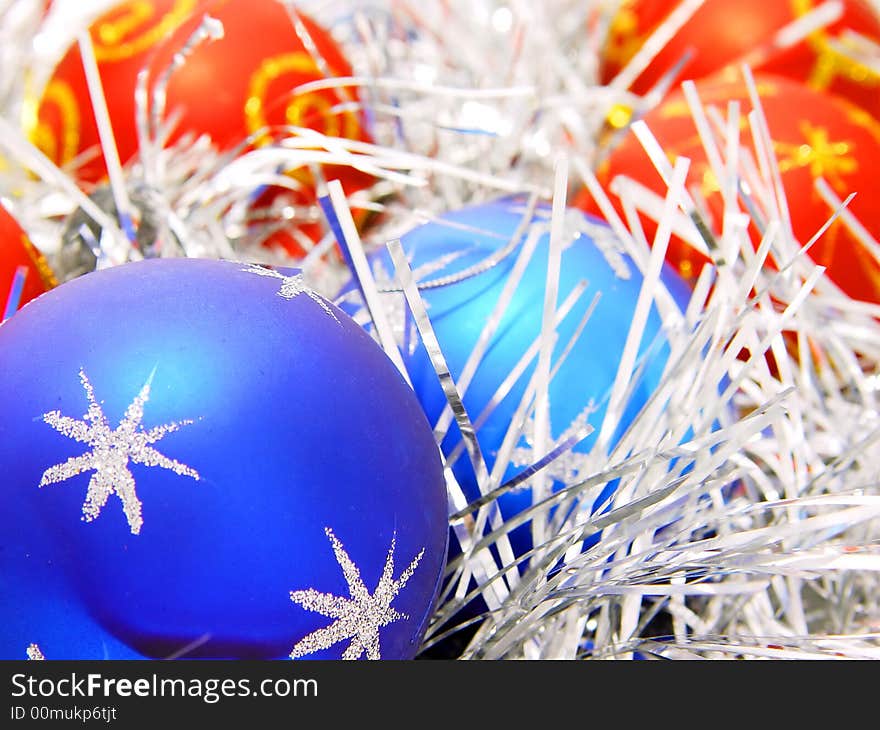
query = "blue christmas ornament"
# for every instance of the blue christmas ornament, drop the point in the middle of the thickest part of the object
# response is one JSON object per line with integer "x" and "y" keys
{"x": 206, "y": 457}
{"x": 459, "y": 311}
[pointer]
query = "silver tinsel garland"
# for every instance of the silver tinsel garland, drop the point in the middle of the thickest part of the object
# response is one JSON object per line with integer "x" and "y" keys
{"x": 747, "y": 516}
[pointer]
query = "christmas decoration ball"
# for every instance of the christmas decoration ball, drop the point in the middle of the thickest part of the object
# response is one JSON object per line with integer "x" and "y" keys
{"x": 724, "y": 32}
{"x": 230, "y": 463}
{"x": 458, "y": 312}
{"x": 814, "y": 136}
{"x": 227, "y": 88}
{"x": 16, "y": 250}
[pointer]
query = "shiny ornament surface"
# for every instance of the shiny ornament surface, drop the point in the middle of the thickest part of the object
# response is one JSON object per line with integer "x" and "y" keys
{"x": 723, "y": 32}
{"x": 814, "y": 135}
{"x": 17, "y": 250}
{"x": 227, "y": 88}
{"x": 458, "y": 312}
{"x": 222, "y": 461}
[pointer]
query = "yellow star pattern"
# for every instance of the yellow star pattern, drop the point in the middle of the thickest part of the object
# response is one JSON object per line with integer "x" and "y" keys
{"x": 825, "y": 157}
{"x": 709, "y": 184}
{"x": 831, "y": 62}
{"x": 624, "y": 38}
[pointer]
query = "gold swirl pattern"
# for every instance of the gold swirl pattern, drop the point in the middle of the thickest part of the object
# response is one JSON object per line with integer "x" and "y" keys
{"x": 118, "y": 35}
{"x": 47, "y": 276}
{"x": 60, "y": 95}
{"x": 300, "y": 107}
{"x": 128, "y": 31}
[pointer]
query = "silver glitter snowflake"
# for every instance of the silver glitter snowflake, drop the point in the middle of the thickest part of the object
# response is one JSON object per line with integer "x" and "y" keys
{"x": 571, "y": 466}
{"x": 403, "y": 326}
{"x": 577, "y": 225}
{"x": 608, "y": 243}
{"x": 291, "y": 286}
{"x": 111, "y": 452}
{"x": 34, "y": 653}
{"x": 359, "y": 617}
{"x": 394, "y": 303}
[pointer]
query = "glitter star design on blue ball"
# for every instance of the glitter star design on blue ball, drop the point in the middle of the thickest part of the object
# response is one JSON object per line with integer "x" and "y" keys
{"x": 291, "y": 286}
{"x": 406, "y": 334}
{"x": 359, "y": 617}
{"x": 111, "y": 452}
{"x": 570, "y": 467}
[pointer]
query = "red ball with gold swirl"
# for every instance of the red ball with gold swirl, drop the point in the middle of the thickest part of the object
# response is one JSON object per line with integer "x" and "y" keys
{"x": 723, "y": 32}
{"x": 814, "y": 135}
{"x": 17, "y": 250}
{"x": 227, "y": 88}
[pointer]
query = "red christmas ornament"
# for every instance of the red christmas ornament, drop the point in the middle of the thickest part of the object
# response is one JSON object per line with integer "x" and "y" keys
{"x": 17, "y": 250}
{"x": 814, "y": 135}
{"x": 723, "y": 32}
{"x": 227, "y": 88}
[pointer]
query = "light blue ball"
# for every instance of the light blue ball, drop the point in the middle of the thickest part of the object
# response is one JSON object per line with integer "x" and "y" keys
{"x": 458, "y": 312}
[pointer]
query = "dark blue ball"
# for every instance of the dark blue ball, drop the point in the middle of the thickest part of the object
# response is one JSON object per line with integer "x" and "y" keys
{"x": 212, "y": 456}
{"x": 40, "y": 606}
{"x": 458, "y": 312}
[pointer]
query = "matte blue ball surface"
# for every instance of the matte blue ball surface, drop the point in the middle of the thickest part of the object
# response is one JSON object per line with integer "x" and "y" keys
{"x": 280, "y": 480}
{"x": 39, "y": 605}
{"x": 459, "y": 312}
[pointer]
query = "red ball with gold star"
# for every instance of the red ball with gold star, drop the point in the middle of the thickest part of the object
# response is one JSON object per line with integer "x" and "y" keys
{"x": 17, "y": 253}
{"x": 723, "y": 32}
{"x": 814, "y": 135}
{"x": 246, "y": 82}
